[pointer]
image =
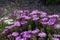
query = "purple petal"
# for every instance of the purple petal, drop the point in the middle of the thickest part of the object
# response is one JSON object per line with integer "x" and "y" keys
{"x": 55, "y": 38}
{"x": 15, "y": 34}
{"x": 17, "y": 23}
{"x": 42, "y": 34}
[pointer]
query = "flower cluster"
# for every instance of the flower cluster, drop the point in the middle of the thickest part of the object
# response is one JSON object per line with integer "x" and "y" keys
{"x": 26, "y": 23}
{"x": 26, "y": 34}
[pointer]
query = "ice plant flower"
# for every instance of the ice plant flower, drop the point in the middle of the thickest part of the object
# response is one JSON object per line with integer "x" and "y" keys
{"x": 55, "y": 39}
{"x": 27, "y": 17}
{"x": 43, "y": 22}
{"x": 23, "y": 16}
{"x": 4, "y": 18}
{"x": 35, "y": 18}
{"x": 51, "y": 21}
{"x": 18, "y": 38}
{"x": 23, "y": 22}
{"x": 42, "y": 34}
{"x": 57, "y": 26}
{"x": 15, "y": 34}
{"x": 17, "y": 23}
{"x": 55, "y": 15}
{"x": 9, "y": 21}
{"x": 10, "y": 35}
{"x": 43, "y": 14}
{"x": 56, "y": 35}
{"x": 44, "y": 19}
{"x": 18, "y": 17}
{"x": 35, "y": 31}
{"x": 26, "y": 34}
{"x": 9, "y": 27}
{"x": 34, "y": 12}
{"x": 4, "y": 31}
{"x": 50, "y": 16}
{"x": 29, "y": 31}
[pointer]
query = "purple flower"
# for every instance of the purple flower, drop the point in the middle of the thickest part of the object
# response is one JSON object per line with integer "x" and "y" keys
{"x": 43, "y": 14}
{"x": 5, "y": 30}
{"x": 43, "y": 22}
{"x": 18, "y": 38}
{"x": 17, "y": 23}
{"x": 51, "y": 21}
{"x": 35, "y": 31}
{"x": 10, "y": 35}
{"x": 42, "y": 34}
{"x": 23, "y": 16}
{"x": 57, "y": 26}
{"x": 55, "y": 15}
{"x": 56, "y": 35}
{"x": 50, "y": 16}
{"x": 9, "y": 27}
{"x": 34, "y": 12}
{"x": 26, "y": 34}
{"x": 15, "y": 34}
{"x": 44, "y": 19}
{"x": 29, "y": 31}
{"x": 26, "y": 17}
{"x": 35, "y": 18}
{"x": 55, "y": 38}
{"x": 23, "y": 22}
{"x": 18, "y": 17}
